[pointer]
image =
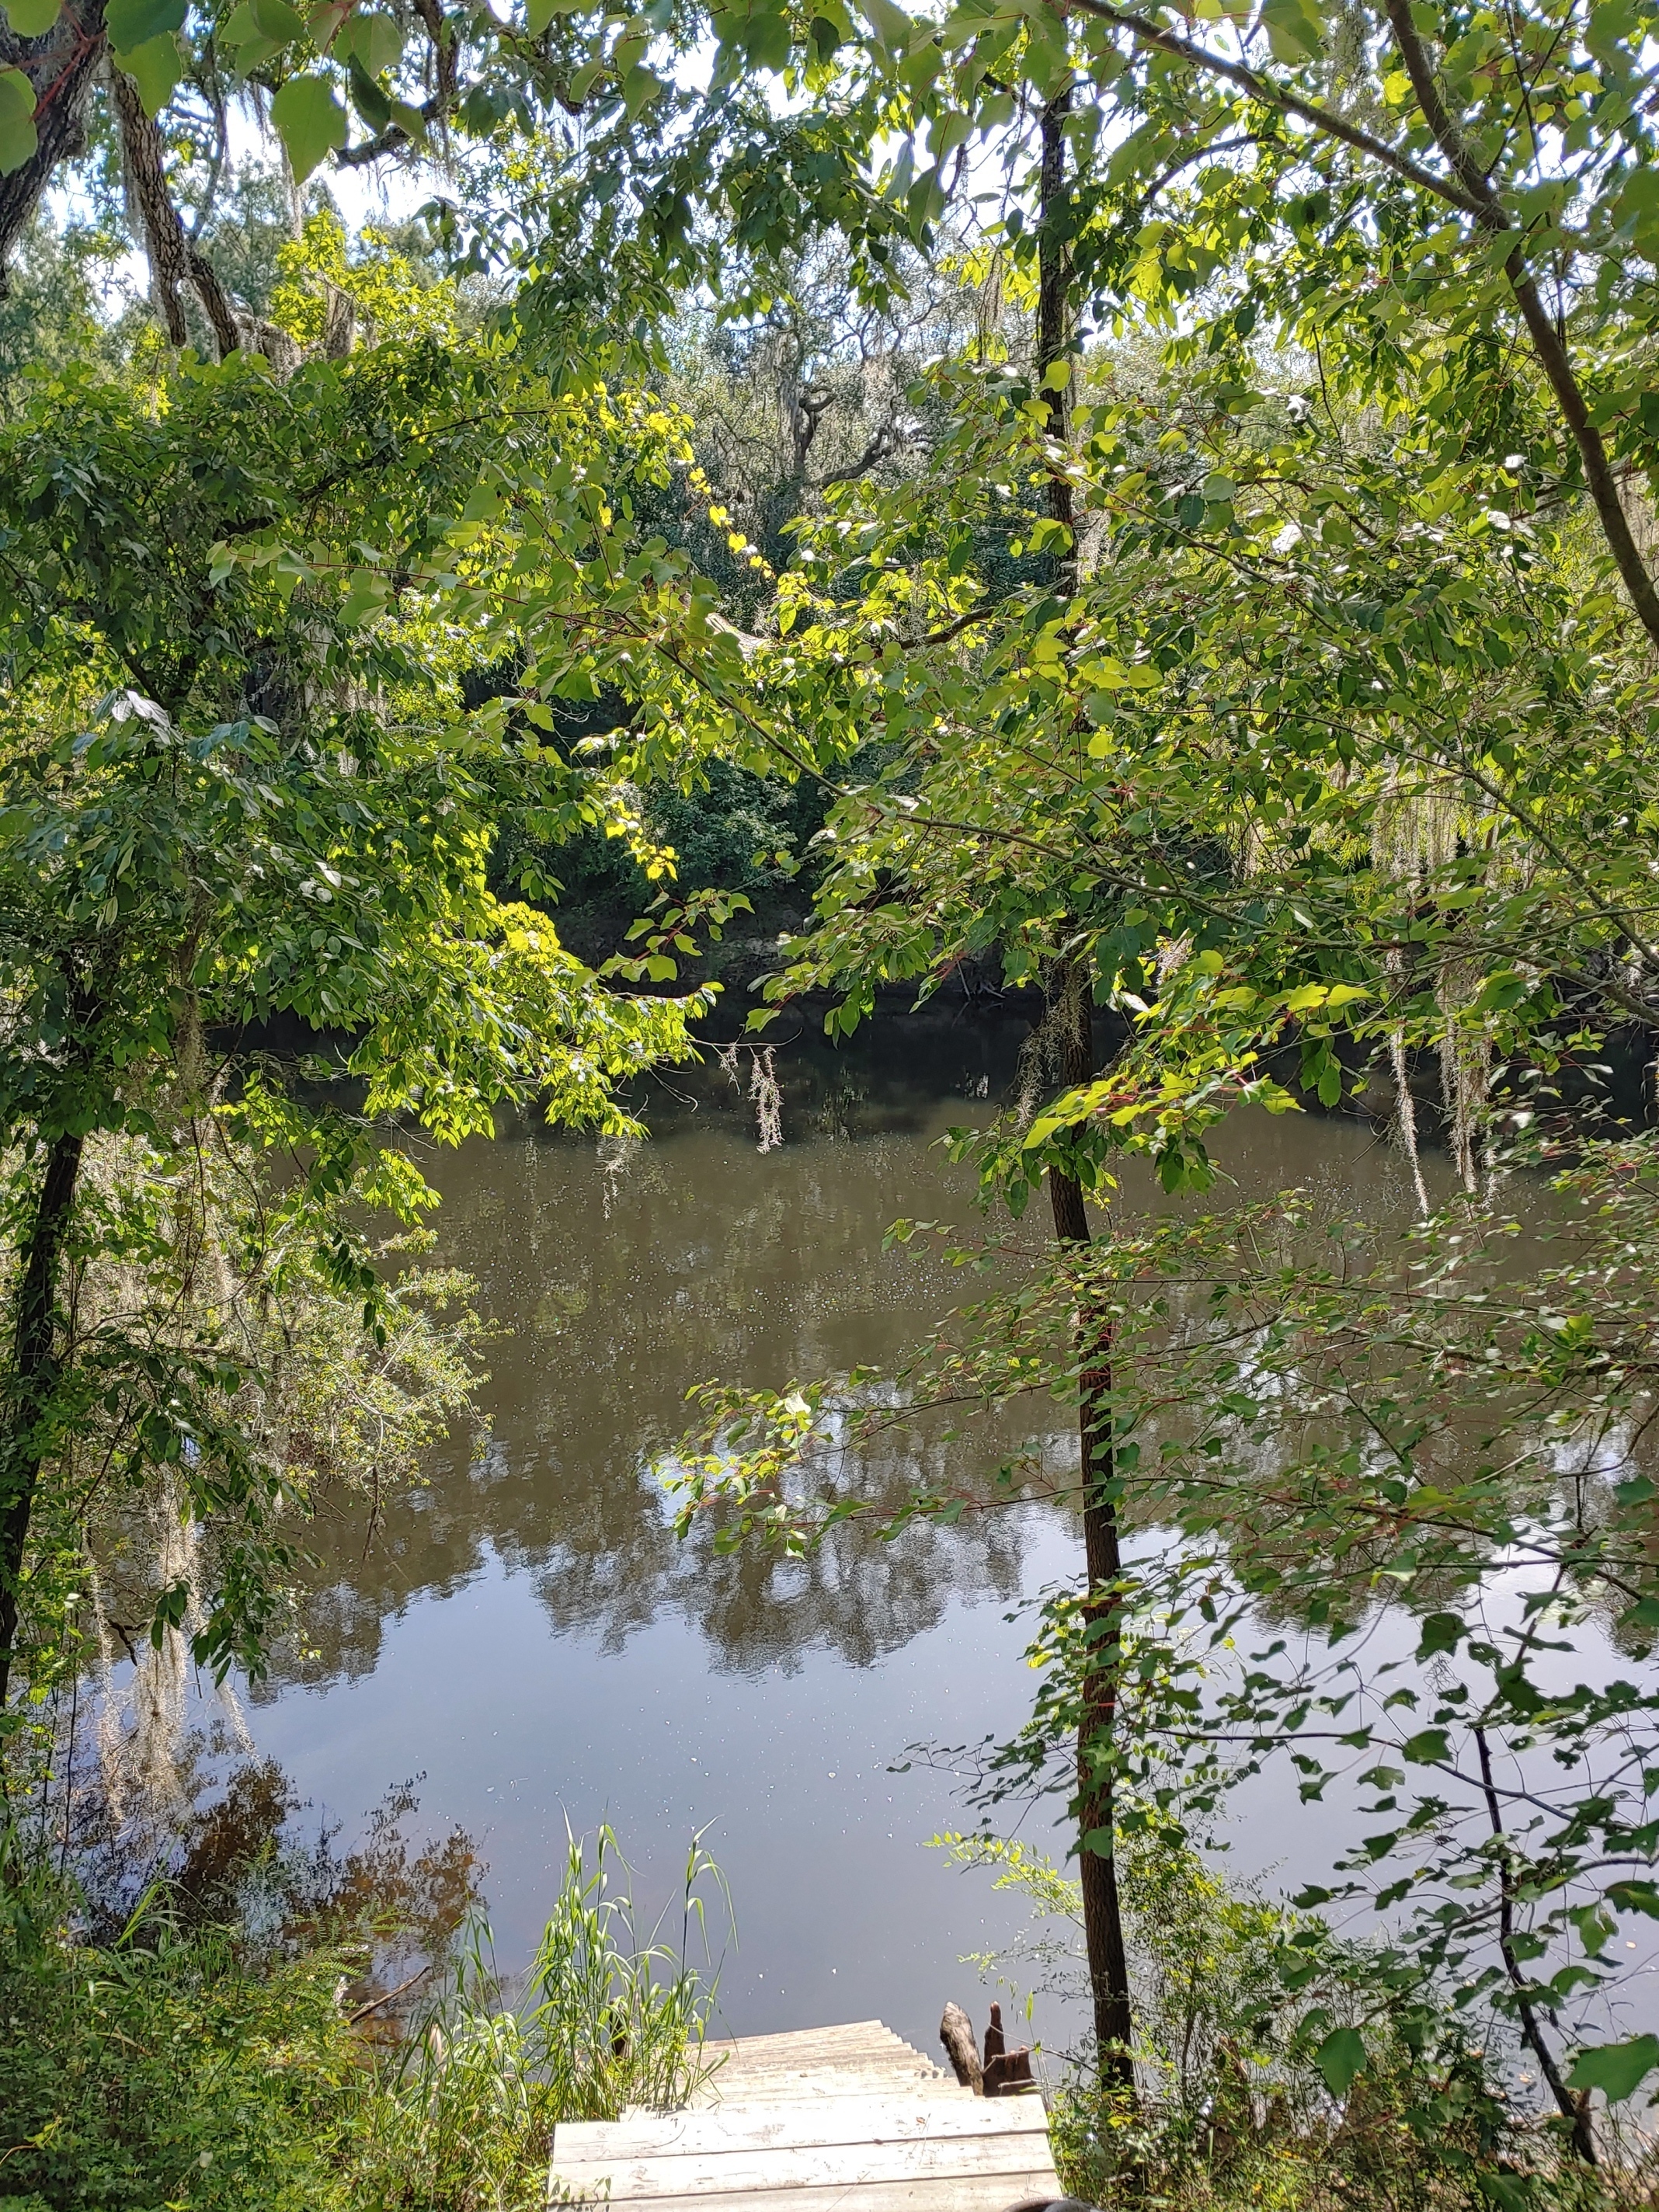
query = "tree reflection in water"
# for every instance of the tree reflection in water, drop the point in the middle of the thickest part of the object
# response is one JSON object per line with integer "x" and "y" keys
{"x": 624, "y": 1275}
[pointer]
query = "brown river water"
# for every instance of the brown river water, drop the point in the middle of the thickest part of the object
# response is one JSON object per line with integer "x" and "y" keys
{"x": 526, "y": 1636}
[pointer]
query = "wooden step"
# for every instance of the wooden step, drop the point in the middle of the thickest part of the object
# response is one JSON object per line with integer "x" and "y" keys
{"x": 848, "y": 2118}
{"x": 942, "y": 2193}
{"x": 762, "y": 2126}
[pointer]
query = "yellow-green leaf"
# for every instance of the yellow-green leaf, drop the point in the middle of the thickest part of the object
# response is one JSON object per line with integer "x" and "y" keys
{"x": 18, "y": 136}
{"x": 32, "y": 19}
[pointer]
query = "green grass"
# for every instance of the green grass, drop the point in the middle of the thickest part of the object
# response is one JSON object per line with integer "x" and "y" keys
{"x": 178, "y": 2069}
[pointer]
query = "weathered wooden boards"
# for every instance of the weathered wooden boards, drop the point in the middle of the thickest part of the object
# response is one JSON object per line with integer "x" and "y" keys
{"x": 833, "y": 2119}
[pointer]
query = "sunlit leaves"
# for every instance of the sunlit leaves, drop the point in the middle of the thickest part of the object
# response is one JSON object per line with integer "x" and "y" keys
{"x": 239, "y": 779}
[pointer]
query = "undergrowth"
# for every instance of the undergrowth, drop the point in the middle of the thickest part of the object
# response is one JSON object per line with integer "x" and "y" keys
{"x": 178, "y": 2063}
{"x": 1235, "y": 2110}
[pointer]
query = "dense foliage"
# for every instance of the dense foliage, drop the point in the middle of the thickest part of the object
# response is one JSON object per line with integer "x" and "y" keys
{"x": 1158, "y": 508}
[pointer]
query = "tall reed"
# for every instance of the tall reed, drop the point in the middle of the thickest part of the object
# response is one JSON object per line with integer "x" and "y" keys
{"x": 607, "y": 2015}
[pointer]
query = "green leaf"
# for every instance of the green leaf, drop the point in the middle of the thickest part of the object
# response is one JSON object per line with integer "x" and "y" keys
{"x": 891, "y": 24}
{"x": 367, "y": 97}
{"x": 133, "y": 23}
{"x": 1339, "y": 2057}
{"x": 1441, "y": 1632}
{"x": 364, "y": 601}
{"x": 310, "y": 121}
{"x": 1292, "y": 31}
{"x": 18, "y": 136}
{"x": 1429, "y": 1747}
{"x": 32, "y": 19}
{"x": 1618, "y": 2070}
{"x": 275, "y": 19}
{"x": 156, "y": 67}
{"x": 1635, "y": 1897}
{"x": 765, "y": 39}
{"x": 240, "y": 40}
{"x": 640, "y": 87}
{"x": 374, "y": 40}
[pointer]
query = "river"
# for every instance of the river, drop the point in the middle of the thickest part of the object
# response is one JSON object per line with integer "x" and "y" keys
{"x": 524, "y": 1634}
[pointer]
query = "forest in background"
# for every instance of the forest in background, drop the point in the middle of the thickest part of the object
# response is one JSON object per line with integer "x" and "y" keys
{"x": 1151, "y": 511}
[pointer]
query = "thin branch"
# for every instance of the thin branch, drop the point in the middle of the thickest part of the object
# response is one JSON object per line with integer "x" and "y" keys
{"x": 1269, "y": 94}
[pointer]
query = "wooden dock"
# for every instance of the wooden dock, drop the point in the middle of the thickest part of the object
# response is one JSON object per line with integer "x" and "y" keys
{"x": 828, "y": 2119}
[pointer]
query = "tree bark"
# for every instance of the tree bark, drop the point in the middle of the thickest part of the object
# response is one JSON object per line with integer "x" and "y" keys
{"x": 33, "y": 1374}
{"x": 956, "y": 2033}
{"x": 62, "y": 65}
{"x": 174, "y": 257}
{"x": 1053, "y": 331}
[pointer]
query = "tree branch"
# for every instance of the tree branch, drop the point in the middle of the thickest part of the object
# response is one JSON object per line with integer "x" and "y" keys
{"x": 1469, "y": 190}
{"x": 1148, "y": 34}
{"x": 1547, "y": 341}
{"x": 1583, "y": 2142}
{"x": 174, "y": 257}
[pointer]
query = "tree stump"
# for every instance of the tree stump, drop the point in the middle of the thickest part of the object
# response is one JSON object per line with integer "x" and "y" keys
{"x": 956, "y": 2033}
{"x": 1005, "y": 2071}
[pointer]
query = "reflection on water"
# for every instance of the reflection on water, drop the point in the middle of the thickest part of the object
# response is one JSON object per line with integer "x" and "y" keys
{"x": 527, "y": 1631}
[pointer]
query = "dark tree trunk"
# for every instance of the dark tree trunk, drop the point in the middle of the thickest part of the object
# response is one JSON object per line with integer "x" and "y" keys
{"x": 1053, "y": 331}
{"x": 174, "y": 257}
{"x": 1103, "y": 1914}
{"x": 1102, "y": 1911}
{"x": 29, "y": 1385}
{"x": 62, "y": 66}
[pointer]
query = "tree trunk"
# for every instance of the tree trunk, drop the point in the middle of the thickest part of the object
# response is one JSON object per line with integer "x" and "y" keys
{"x": 1053, "y": 331}
{"x": 1102, "y": 1911}
{"x": 174, "y": 257}
{"x": 33, "y": 1373}
{"x": 62, "y": 65}
{"x": 1103, "y": 1915}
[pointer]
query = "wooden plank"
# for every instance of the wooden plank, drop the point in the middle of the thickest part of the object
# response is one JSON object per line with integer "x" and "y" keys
{"x": 848, "y": 2118}
{"x": 793, "y": 2166}
{"x": 936, "y": 2193}
{"x": 810, "y": 2040}
{"x": 753, "y": 2058}
{"x": 901, "y": 2072}
{"x": 832, "y": 2120}
{"x": 817, "y": 2091}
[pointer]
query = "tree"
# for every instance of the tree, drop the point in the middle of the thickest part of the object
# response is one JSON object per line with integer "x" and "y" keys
{"x": 236, "y": 794}
{"x": 1302, "y": 768}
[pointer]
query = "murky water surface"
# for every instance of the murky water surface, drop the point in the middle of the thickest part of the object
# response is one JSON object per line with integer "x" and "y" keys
{"x": 526, "y": 1634}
